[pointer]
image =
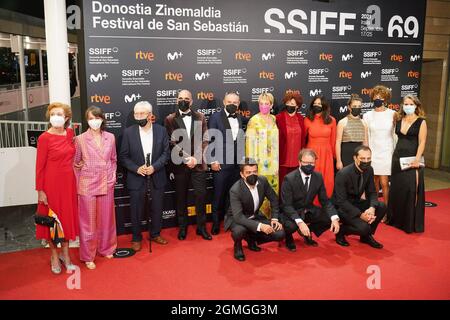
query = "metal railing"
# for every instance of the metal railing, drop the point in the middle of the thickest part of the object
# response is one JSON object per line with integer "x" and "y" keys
{"x": 13, "y": 134}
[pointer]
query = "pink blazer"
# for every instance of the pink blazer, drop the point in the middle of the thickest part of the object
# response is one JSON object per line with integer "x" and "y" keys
{"x": 98, "y": 173}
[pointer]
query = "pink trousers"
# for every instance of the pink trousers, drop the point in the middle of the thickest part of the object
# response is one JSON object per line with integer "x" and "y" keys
{"x": 97, "y": 225}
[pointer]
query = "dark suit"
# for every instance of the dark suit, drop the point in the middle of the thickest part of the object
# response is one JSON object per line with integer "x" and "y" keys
{"x": 226, "y": 151}
{"x": 347, "y": 198}
{"x": 243, "y": 218}
{"x": 297, "y": 203}
{"x": 132, "y": 157}
{"x": 186, "y": 145}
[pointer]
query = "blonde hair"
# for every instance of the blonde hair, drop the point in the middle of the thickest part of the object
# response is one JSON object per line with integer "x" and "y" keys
{"x": 383, "y": 91}
{"x": 419, "y": 110}
{"x": 65, "y": 107}
{"x": 266, "y": 97}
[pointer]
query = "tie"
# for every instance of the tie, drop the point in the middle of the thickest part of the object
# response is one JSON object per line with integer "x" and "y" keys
{"x": 306, "y": 183}
{"x": 232, "y": 116}
{"x": 186, "y": 114}
{"x": 360, "y": 183}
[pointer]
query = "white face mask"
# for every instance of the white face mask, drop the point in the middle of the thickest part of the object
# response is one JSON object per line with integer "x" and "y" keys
{"x": 409, "y": 108}
{"x": 57, "y": 121}
{"x": 95, "y": 124}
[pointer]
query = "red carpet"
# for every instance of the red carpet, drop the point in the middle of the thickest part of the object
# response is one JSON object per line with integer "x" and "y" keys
{"x": 415, "y": 266}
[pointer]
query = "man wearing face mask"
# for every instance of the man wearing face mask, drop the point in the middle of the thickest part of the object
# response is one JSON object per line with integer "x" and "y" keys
{"x": 244, "y": 218}
{"x": 142, "y": 141}
{"x": 359, "y": 216}
{"x": 187, "y": 130}
{"x": 227, "y": 145}
{"x": 298, "y": 191}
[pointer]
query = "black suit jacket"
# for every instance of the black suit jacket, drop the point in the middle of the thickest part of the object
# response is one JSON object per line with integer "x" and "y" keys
{"x": 219, "y": 121}
{"x": 295, "y": 200}
{"x": 242, "y": 206}
{"x": 131, "y": 156}
{"x": 192, "y": 148}
{"x": 346, "y": 190}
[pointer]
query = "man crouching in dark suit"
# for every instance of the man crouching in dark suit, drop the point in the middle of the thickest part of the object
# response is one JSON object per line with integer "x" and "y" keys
{"x": 244, "y": 218}
{"x": 359, "y": 216}
{"x": 298, "y": 191}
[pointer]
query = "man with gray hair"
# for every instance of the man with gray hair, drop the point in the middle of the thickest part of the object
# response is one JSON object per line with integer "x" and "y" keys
{"x": 144, "y": 153}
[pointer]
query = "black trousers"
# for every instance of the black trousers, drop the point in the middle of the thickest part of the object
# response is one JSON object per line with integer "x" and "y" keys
{"x": 316, "y": 217}
{"x": 358, "y": 226}
{"x": 183, "y": 180}
{"x": 137, "y": 201}
{"x": 240, "y": 232}
{"x": 223, "y": 181}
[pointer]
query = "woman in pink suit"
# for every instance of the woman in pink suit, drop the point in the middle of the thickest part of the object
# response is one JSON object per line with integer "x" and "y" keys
{"x": 95, "y": 167}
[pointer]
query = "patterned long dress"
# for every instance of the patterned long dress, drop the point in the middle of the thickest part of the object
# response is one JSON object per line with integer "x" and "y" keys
{"x": 262, "y": 145}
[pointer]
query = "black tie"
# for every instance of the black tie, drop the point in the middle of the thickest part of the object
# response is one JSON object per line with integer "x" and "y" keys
{"x": 360, "y": 183}
{"x": 232, "y": 116}
{"x": 306, "y": 183}
{"x": 186, "y": 114}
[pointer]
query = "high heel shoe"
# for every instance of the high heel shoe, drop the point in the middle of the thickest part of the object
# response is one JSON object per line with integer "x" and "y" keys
{"x": 55, "y": 269}
{"x": 69, "y": 266}
{"x": 90, "y": 265}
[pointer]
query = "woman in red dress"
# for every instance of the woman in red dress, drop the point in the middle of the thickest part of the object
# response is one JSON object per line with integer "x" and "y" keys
{"x": 55, "y": 181}
{"x": 291, "y": 131}
{"x": 320, "y": 129}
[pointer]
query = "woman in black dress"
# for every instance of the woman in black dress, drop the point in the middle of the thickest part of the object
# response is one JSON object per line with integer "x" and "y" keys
{"x": 406, "y": 209}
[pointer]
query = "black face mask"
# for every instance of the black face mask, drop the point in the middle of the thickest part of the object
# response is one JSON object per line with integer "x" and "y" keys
{"x": 378, "y": 103}
{"x": 252, "y": 179}
{"x": 307, "y": 169}
{"x": 183, "y": 105}
{"x": 142, "y": 122}
{"x": 291, "y": 109}
{"x": 364, "y": 166}
{"x": 231, "y": 108}
{"x": 356, "y": 112}
{"x": 317, "y": 109}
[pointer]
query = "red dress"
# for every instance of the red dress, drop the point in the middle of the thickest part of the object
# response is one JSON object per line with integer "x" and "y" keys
{"x": 55, "y": 176}
{"x": 322, "y": 139}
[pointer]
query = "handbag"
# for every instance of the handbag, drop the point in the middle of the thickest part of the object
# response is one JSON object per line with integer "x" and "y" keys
{"x": 42, "y": 218}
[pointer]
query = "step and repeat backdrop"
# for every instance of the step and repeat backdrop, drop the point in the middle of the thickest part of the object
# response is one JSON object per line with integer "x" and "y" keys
{"x": 149, "y": 50}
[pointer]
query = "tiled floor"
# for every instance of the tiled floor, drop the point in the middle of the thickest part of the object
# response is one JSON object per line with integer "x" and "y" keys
{"x": 17, "y": 224}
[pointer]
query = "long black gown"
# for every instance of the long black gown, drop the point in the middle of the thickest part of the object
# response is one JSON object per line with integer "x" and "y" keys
{"x": 404, "y": 212}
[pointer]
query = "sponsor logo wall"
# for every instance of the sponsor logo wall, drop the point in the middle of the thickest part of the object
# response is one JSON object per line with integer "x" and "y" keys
{"x": 147, "y": 50}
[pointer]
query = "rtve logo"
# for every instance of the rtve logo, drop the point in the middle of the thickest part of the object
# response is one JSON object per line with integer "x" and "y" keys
{"x": 246, "y": 56}
{"x": 292, "y": 91}
{"x": 202, "y": 95}
{"x": 326, "y": 57}
{"x": 413, "y": 74}
{"x": 397, "y": 57}
{"x": 145, "y": 55}
{"x": 174, "y": 56}
{"x": 98, "y": 77}
{"x": 366, "y": 91}
{"x": 174, "y": 76}
{"x": 101, "y": 99}
{"x": 267, "y": 75}
{"x": 345, "y": 74}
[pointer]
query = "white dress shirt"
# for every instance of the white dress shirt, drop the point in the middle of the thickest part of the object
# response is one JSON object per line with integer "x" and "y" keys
{"x": 187, "y": 122}
{"x": 234, "y": 124}
{"x": 255, "y": 196}
{"x": 147, "y": 142}
{"x": 303, "y": 175}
